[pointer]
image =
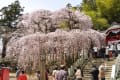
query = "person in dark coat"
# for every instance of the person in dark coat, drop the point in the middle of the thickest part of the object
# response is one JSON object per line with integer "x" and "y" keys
{"x": 102, "y": 52}
{"x": 46, "y": 74}
{"x": 94, "y": 72}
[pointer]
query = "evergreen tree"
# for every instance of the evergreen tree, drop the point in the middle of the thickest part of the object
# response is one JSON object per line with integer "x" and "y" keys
{"x": 8, "y": 20}
{"x": 10, "y": 14}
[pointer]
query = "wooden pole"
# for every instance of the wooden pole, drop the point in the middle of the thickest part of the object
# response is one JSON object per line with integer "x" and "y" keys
{"x": 42, "y": 70}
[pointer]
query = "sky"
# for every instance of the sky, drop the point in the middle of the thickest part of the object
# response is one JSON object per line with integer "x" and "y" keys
{"x": 33, "y": 5}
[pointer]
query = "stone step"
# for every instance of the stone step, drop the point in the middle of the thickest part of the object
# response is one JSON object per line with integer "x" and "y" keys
{"x": 89, "y": 78}
{"x": 109, "y": 72}
{"x": 86, "y": 72}
{"x": 108, "y": 66}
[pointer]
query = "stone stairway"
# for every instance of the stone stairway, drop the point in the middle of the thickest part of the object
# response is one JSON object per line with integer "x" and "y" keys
{"x": 97, "y": 62}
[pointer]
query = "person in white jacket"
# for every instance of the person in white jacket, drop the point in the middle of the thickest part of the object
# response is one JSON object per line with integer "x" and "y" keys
{"x": 54, "y": 73}
{"x": 78, "y": 74}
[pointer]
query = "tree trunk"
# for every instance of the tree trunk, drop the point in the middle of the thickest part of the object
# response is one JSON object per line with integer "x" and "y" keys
{"x": 4, "y": 47}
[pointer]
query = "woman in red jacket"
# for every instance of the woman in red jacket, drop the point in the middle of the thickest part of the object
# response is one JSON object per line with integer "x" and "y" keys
{"x": 22, "y": 76}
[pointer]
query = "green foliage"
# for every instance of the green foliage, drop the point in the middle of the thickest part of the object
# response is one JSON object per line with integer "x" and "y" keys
{"x": 69, "y": 61}
{"x": 101, "y": 24}
{"x": 89, "y": 5}
{"x": 68, "y": 5}
{"x": 102, "y": 12}
{"x": 10, "y": 14}
{"x": 74, "y": 9}
{"x": 64, "y": 24}
{"x": 8, "y": 19}
{"x": 105, "y": 7}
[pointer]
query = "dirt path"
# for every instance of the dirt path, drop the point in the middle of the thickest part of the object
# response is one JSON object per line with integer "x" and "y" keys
{"x": 12, "y": 77}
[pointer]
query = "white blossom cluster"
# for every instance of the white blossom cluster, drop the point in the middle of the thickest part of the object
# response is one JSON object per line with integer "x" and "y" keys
{"x": 39, "y": 38}
{"x": 28, "y": 50}
{"x": 43, "y": 20}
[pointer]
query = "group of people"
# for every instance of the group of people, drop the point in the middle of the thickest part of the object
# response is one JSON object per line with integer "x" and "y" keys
{"x": 20, "y": 74}
{"x": 114, "y": 49}
{"x": 98, "y": 74}
{"x": 111, "y": 50}
{"x": 59, "y": 74}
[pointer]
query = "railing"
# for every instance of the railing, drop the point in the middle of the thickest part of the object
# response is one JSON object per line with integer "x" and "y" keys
{"x": 113, "y": 72}
{"x": 116, "y": 69}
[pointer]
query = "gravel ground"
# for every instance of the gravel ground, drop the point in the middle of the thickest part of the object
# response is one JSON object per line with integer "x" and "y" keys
{"x": 12, "y": 77}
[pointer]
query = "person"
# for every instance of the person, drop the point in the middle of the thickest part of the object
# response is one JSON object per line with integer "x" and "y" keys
{"x": 115, "y": 49}
{"x": 78, "y": 74}
{"x": 54, "y": 73}
{"x": 46, "y": 74}
{"x": 94, "y": 72}
{"x": 95, "y": 49}
{"x": 18, "y": 72}
{"x": 62, "y": 74}
{"x": 74, "y": 77}
{"x": 107, "y": 53}
{"x": 102, "y": 72}
{"x": 118, "y": 47}
{"x": 22, "y": 76}
{"x": 110, "y": 55}
{"x": 111, "y": 47}
{"x": 38, "y": 75}
{"x": 102, "y": 52}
